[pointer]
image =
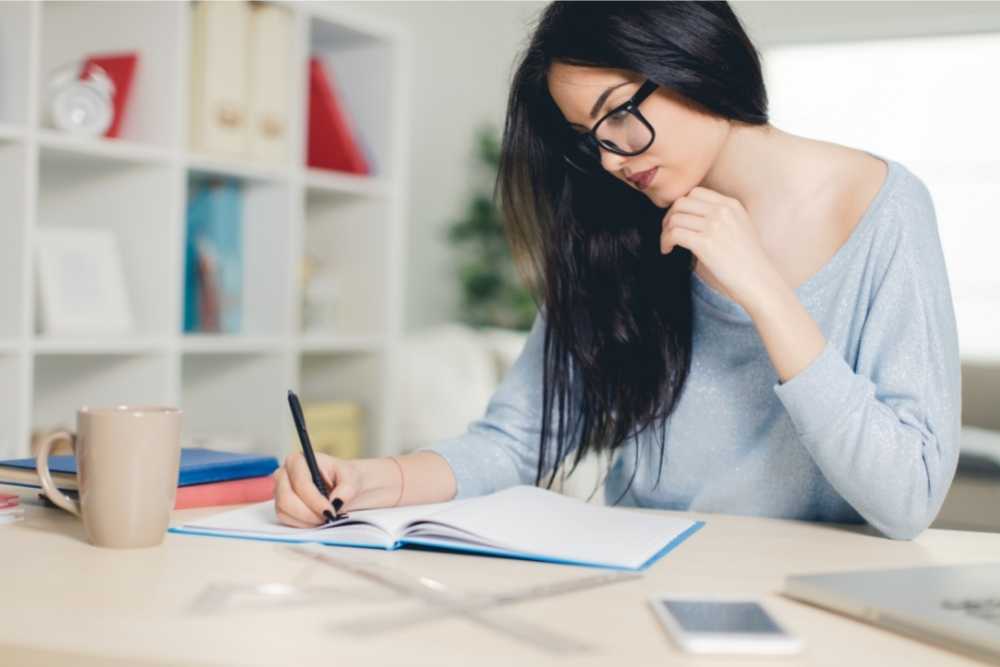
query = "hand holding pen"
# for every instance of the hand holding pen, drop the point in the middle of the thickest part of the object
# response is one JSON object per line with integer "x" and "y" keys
{"x": 312, "y": 502}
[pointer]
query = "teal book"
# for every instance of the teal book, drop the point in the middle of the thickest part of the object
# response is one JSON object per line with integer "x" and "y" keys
{"x": 523, "y": 522}
{"x": 213, "y": 257}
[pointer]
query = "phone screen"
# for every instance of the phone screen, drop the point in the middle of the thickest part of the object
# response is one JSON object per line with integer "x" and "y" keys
{"x": 721, "y": 617}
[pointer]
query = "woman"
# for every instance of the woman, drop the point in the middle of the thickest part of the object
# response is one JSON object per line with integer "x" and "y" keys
{"x": 748, "y": 321}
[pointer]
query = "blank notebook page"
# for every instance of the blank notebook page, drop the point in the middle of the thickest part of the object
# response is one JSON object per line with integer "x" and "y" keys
{"x": 530, "y": 519}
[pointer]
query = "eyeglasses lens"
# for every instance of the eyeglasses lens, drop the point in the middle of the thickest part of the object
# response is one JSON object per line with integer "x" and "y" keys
{"x": 621, "y": 132}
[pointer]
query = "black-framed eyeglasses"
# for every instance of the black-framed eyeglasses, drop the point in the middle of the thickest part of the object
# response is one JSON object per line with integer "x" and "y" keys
{"x": 623, "y": 130}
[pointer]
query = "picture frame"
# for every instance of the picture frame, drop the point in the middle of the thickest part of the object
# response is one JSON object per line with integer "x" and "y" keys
{"x": 81, "y": 283}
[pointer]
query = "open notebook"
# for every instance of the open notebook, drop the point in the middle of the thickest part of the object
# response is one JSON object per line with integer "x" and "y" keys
{"x": 519, "y": 522}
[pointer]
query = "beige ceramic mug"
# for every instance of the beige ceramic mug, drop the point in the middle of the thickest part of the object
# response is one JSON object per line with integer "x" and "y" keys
{"x": 127, "y": 461}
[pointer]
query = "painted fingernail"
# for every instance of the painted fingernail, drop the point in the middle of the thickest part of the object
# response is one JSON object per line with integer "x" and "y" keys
{"x": 337, "y": 504}
{"x": 328, "y": 515}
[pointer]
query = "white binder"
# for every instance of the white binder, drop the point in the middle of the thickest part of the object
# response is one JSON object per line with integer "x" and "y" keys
{"x": 270, "y": 73}
{"x": 219, "y": 77}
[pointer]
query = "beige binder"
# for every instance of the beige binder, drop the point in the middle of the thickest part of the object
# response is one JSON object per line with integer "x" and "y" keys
{"x": 269, "y": 59}
{"x": 219, "y": 115}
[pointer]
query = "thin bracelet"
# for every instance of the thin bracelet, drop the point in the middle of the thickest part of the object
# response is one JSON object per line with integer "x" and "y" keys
{"x": 402, "y": 481}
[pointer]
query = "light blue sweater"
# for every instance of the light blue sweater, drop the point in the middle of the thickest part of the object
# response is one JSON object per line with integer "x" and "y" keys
{"x": 869, "y": 431}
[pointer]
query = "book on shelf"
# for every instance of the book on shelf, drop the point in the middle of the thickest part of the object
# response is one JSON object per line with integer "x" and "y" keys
{"x": 331, "y": 140}
{"x": 213, "y": 263}
{"x": 517, "y": 522}
{"x": 206, "y": 477}
{"x": 120, "y": 68}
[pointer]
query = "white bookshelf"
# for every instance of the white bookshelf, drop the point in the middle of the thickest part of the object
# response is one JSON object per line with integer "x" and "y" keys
{"x": 231, "y": 386}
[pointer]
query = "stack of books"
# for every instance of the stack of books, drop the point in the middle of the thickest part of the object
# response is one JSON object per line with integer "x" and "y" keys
{"x": 207, "y": 477}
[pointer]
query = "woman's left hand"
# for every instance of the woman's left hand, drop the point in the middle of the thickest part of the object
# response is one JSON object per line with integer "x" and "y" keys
{"x": 718, "y": 230}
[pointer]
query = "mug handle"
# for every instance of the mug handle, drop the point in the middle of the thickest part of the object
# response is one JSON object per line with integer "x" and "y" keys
{"x": 42, "y": 464}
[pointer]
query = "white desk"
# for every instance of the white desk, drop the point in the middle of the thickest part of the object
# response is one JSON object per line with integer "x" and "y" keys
{"x": 63, "y": 601}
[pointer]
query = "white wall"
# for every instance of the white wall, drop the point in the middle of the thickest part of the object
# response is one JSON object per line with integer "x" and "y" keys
{"x": 770, "y": 22}
{"x": 463, "y": 58}
{"x": 464, "y": 54}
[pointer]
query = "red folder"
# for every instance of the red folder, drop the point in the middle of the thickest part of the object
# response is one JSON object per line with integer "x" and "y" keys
{"x": 331, "y": 142}
{"x": 119, "y": 67}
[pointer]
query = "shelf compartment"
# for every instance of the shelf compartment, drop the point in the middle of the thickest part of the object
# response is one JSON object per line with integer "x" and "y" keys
{"x": 361, "y": 66}
{"x": 13, "y": 230}
{"x": 239, "y": 398}
{"x": 266, "y": 248}
{"x": 13, "y": 437}
{"x": 139, "y": 205}
{"x": 73, "y": 30}
{"x": 65, "y": 382}
{"x": 346, "y": 243}
{"x": 358, "y": 377}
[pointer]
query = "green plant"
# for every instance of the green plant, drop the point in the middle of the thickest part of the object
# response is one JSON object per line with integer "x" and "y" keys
{"x": 492, "y": 291}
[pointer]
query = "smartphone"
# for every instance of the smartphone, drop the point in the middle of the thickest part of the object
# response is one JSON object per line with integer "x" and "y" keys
{"x": 700, "y": 624}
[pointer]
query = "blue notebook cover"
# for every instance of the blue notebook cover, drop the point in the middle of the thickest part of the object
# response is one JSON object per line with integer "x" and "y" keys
{"x": 451, "y": 547}
{"x": 198, "y": 465}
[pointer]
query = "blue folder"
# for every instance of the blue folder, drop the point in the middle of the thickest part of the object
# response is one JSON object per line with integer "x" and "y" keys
{"x": 198, "y": 465}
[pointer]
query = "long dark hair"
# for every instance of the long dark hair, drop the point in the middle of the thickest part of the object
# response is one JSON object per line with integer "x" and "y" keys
{"x": 618, "y": 313}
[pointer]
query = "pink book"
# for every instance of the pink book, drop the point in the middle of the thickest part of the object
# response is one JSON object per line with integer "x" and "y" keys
{"x": 232, "y": 492}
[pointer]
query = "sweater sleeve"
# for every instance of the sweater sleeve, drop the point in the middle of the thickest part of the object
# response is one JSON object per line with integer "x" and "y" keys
{"x": 886, "y": 433}
{"x": 500, "y": 449}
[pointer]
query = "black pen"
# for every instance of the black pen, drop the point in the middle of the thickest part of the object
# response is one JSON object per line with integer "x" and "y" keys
{"x": 300, "y": 427}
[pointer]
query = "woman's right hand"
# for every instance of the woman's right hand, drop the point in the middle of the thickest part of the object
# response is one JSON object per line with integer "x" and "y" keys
{"x": 297, "y": 500}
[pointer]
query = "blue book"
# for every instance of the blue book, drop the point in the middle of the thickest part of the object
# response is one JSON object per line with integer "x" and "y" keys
{"x": 523, "y": 522}
{"x": 198, "y": 466}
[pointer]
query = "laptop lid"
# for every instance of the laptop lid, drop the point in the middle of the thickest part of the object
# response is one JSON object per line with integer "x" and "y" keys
{"x": 956, "y": 606}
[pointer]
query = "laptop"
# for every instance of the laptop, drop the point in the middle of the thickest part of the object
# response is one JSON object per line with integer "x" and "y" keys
{"x": 957, "y": 607}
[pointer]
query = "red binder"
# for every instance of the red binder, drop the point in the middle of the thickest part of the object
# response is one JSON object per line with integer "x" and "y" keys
{"x": 331, "y": 142}
{"x": 119, "y": 67}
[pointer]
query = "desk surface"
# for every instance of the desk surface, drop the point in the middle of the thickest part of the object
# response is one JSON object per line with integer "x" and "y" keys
{"x": 61, "y": 597}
